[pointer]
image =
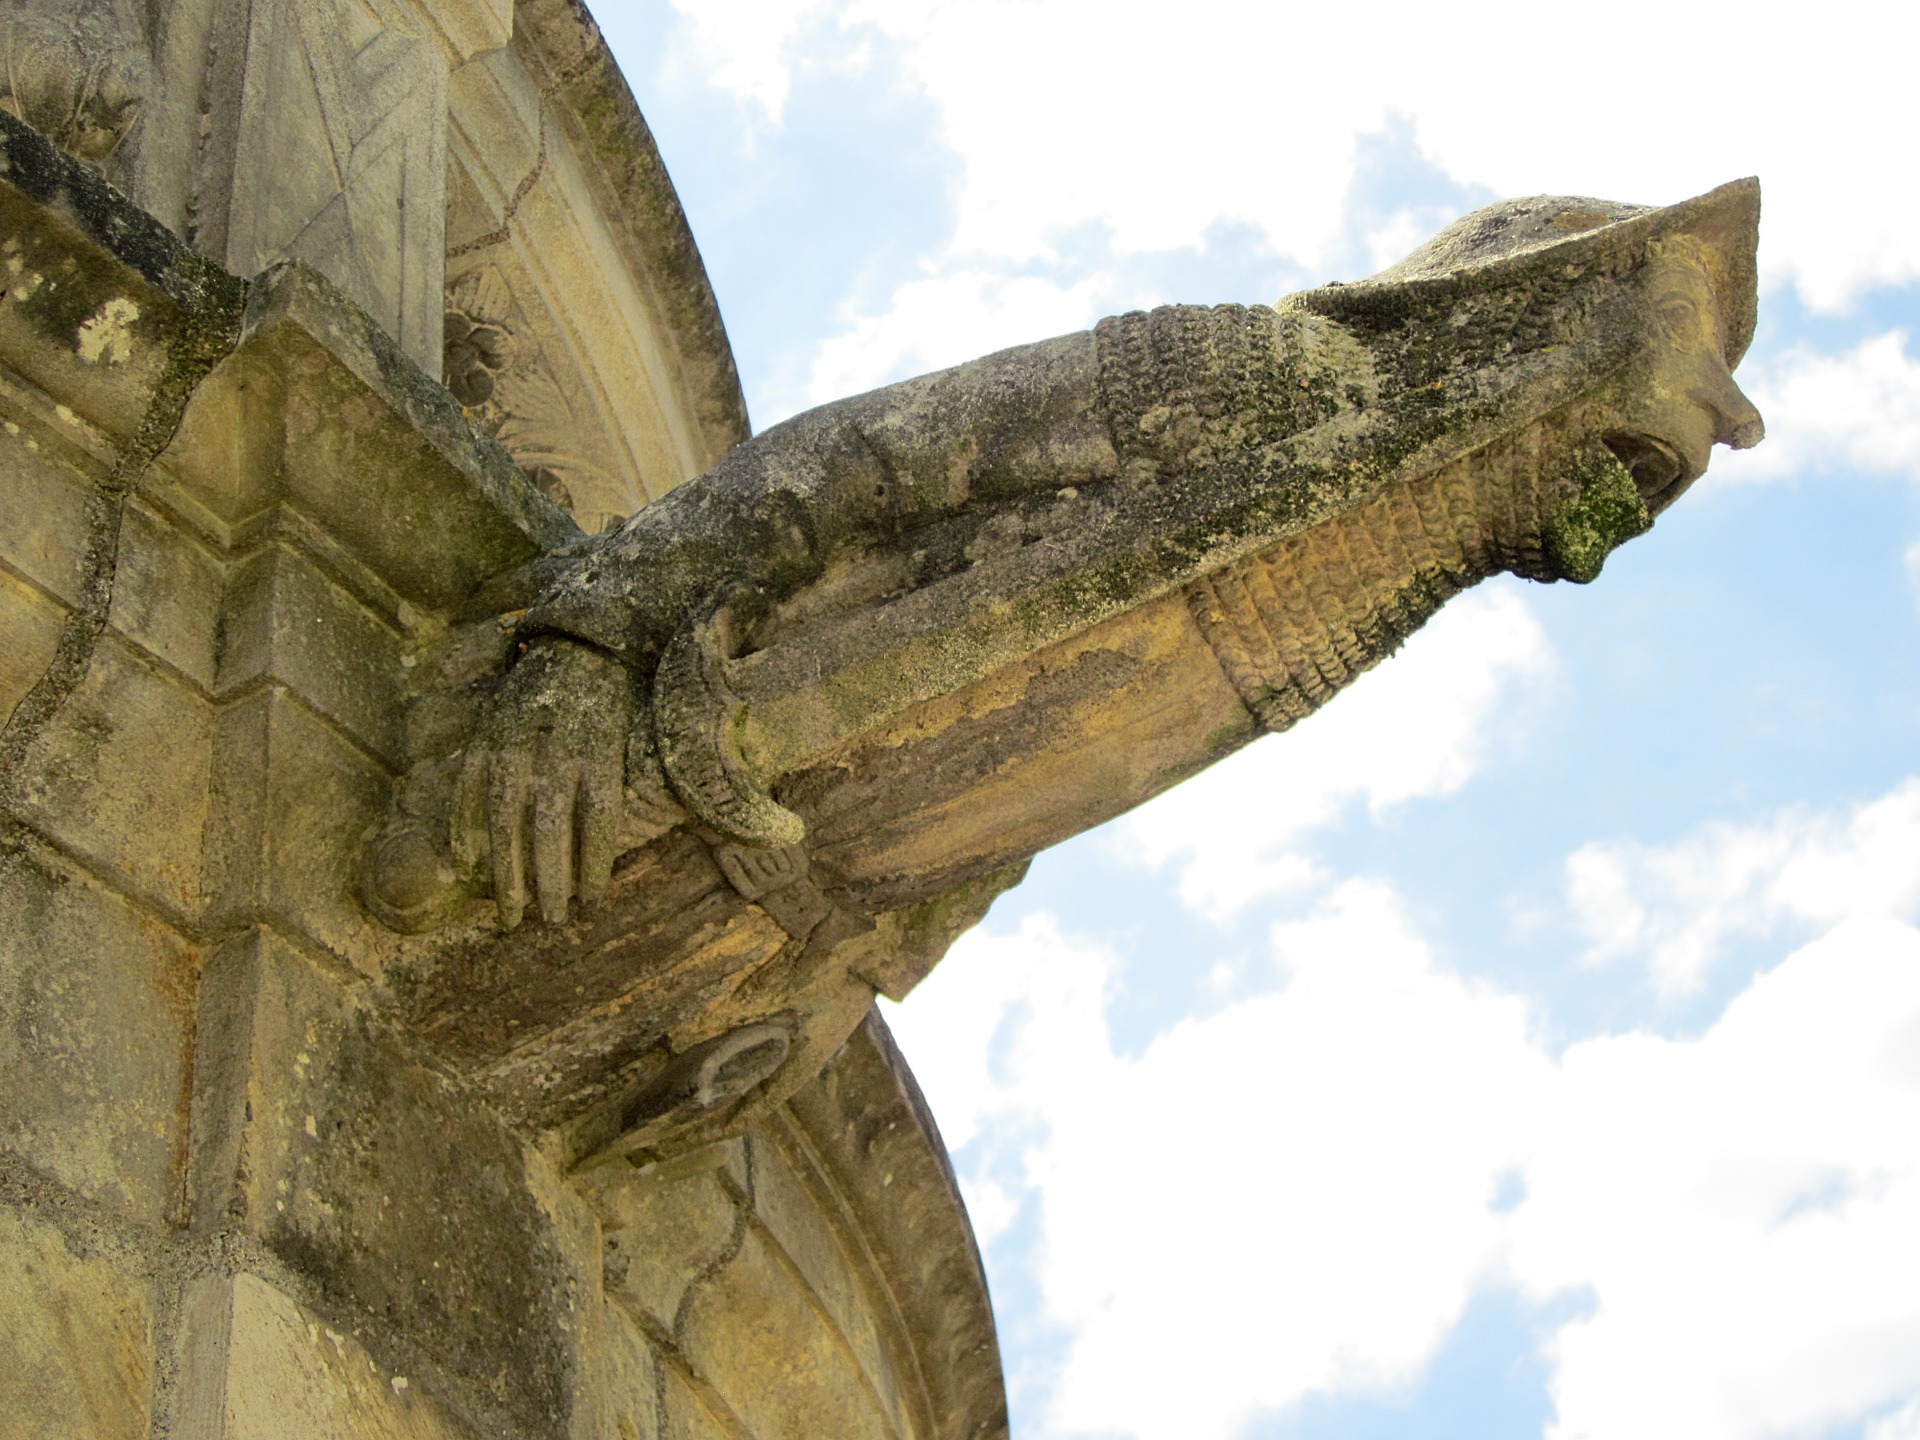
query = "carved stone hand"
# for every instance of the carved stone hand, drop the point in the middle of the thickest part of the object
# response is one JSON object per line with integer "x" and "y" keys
{"x": 540, "y": 792}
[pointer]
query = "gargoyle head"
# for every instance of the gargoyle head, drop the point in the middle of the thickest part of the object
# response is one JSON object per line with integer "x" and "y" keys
{"x": 1616, "y": 327}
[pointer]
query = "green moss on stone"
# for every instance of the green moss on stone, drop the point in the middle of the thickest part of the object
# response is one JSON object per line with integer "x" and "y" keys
{"x": 1605, "y": 512}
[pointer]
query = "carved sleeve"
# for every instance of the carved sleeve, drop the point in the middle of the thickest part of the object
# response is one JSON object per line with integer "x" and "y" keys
{"x": 1185, "y": 385}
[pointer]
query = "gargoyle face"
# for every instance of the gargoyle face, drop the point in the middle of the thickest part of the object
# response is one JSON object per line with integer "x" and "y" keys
{"x": 1678, "y": 400}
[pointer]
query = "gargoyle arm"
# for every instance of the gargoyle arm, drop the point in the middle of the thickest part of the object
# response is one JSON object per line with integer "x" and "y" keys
{"x": 535, "y": 803}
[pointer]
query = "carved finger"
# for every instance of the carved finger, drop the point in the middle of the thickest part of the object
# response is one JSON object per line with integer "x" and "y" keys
{"x": 553, "y": 838}
{"x": 508, "y": 781}
{"x": 467, "y": 825}
{"x": 600, "y": 807}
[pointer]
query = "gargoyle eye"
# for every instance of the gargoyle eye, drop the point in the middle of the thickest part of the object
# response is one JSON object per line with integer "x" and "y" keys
{"x": 1679, "y": 317}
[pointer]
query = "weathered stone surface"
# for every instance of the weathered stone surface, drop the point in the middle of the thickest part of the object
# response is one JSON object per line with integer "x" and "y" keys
{"x": 556, "y": 191}
{"x": 792, "y": 1204}
{"x": 331, "y": 116}
{"x": 619, "y": 1383}
{"x": 891, "y": 648}
{"x": 866, "y": 1128}
{"x": 813, "y": 1277}
{"x": 29, "y": 633}
{"x": 91, "y": 776}
{"x": 269, "y": 580}
{"x": 755, "y": 1308}
{"x": 97, "y": 997}
{"x": 667, "y": 1233}
{"x": 272, "y": 1370}
{"x": 76, "y": 1340}
{"x": 331, "y": 415}
{"x": 293, "y": 798}
{"x": 78, "y": 71}
{"x": 402, "y": 1207}
{"x": 167, "y": 586}
{"x": 285, "y": 621}
{"x": 692, "y": 1411}
{"x": 244, "y": 517}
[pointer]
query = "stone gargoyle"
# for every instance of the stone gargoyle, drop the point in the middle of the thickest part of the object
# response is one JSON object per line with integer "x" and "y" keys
{"x": 771, "y": 744}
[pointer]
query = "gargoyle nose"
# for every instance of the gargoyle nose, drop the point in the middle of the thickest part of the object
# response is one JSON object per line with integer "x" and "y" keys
{"x": 1746, "y": 433}
{"x": 1736, "y": 422}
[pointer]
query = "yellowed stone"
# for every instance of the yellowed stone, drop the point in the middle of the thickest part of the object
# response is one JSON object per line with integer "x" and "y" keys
{"x": 757, "y": 1334}
{"x": 93, "y": 1055}
{"x": 29, "y": 629}
{"x": 290, "y": 1376}
{"x": 76, "y": 1342}
{"x": 122, "y": 775}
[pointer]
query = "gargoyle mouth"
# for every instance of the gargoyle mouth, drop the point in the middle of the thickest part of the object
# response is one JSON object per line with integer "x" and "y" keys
{"x": 1658, "y": 471}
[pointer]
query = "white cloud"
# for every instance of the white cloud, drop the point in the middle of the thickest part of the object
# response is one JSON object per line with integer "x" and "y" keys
{"x": 1069, "y": 112}
{"x": 1297, "y": 1196}
{"x": 1745, "y": 1208}
{"x": 1675, "y": 907}
{"x": 1415, "y": 728}
{"x": 1903, "y": 1424}
{"x": 945, "y": 319}
{"x": 1294, "y": 1216}
{"x": 746, "y": 47}
{"x": 1856, "y": 411}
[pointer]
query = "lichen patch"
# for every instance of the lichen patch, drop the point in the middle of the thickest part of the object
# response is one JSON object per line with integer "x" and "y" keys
{"x": 108, "y": 333}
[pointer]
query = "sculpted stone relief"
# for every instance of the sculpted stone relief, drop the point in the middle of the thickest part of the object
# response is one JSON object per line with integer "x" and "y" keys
{"x": 341, "y": 158}
{"x": 77, "y": 73}
{"x": 768, "y": 745}
{"x": 472, "y": 173}
{"x": 775, "y": 740}
{"x": 498, "y": 362}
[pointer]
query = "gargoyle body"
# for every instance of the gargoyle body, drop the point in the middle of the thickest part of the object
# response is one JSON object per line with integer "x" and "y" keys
{"x": 789, "y": 730}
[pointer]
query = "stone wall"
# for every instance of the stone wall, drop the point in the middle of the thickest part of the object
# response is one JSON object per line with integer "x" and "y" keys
{"x": 237, "y": 1197}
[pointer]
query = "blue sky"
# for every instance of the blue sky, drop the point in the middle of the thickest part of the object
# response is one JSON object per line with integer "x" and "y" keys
{"x": 1528, "y": 1045}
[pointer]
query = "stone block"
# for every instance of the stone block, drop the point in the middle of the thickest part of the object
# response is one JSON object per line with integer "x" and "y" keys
{"x": 283, "y": 620}
{"x": 797, "y": 1206}
{"x": 408, "y": 1210}
{"x": 90, "y": 328}
{"x": 166, "y": 586}
{"x": 29, "y": 630}
{"x": 338, "y": 158}
{"x": 664, "y": 1230}
{"x": 294, "y": 800}
{"x": 44, "y": 491}
{"x": 618, "y": 1382}
{"x": 166, "y": 594}
{"x": 380, "y": 456}
{"x": 754, "y": 1332}
{"x": 691, "y": 1411}
{"x": 263, "y": 1367}
{"x": 121, "y": 775}
{"x": 76, "y": 1340}
{"x": 98, "y": 1000}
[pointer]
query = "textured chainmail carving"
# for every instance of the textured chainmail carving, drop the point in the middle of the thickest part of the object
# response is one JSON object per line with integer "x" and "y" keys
{"x": 1184, "y": 385}
{"x": 1297, "y": 623}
